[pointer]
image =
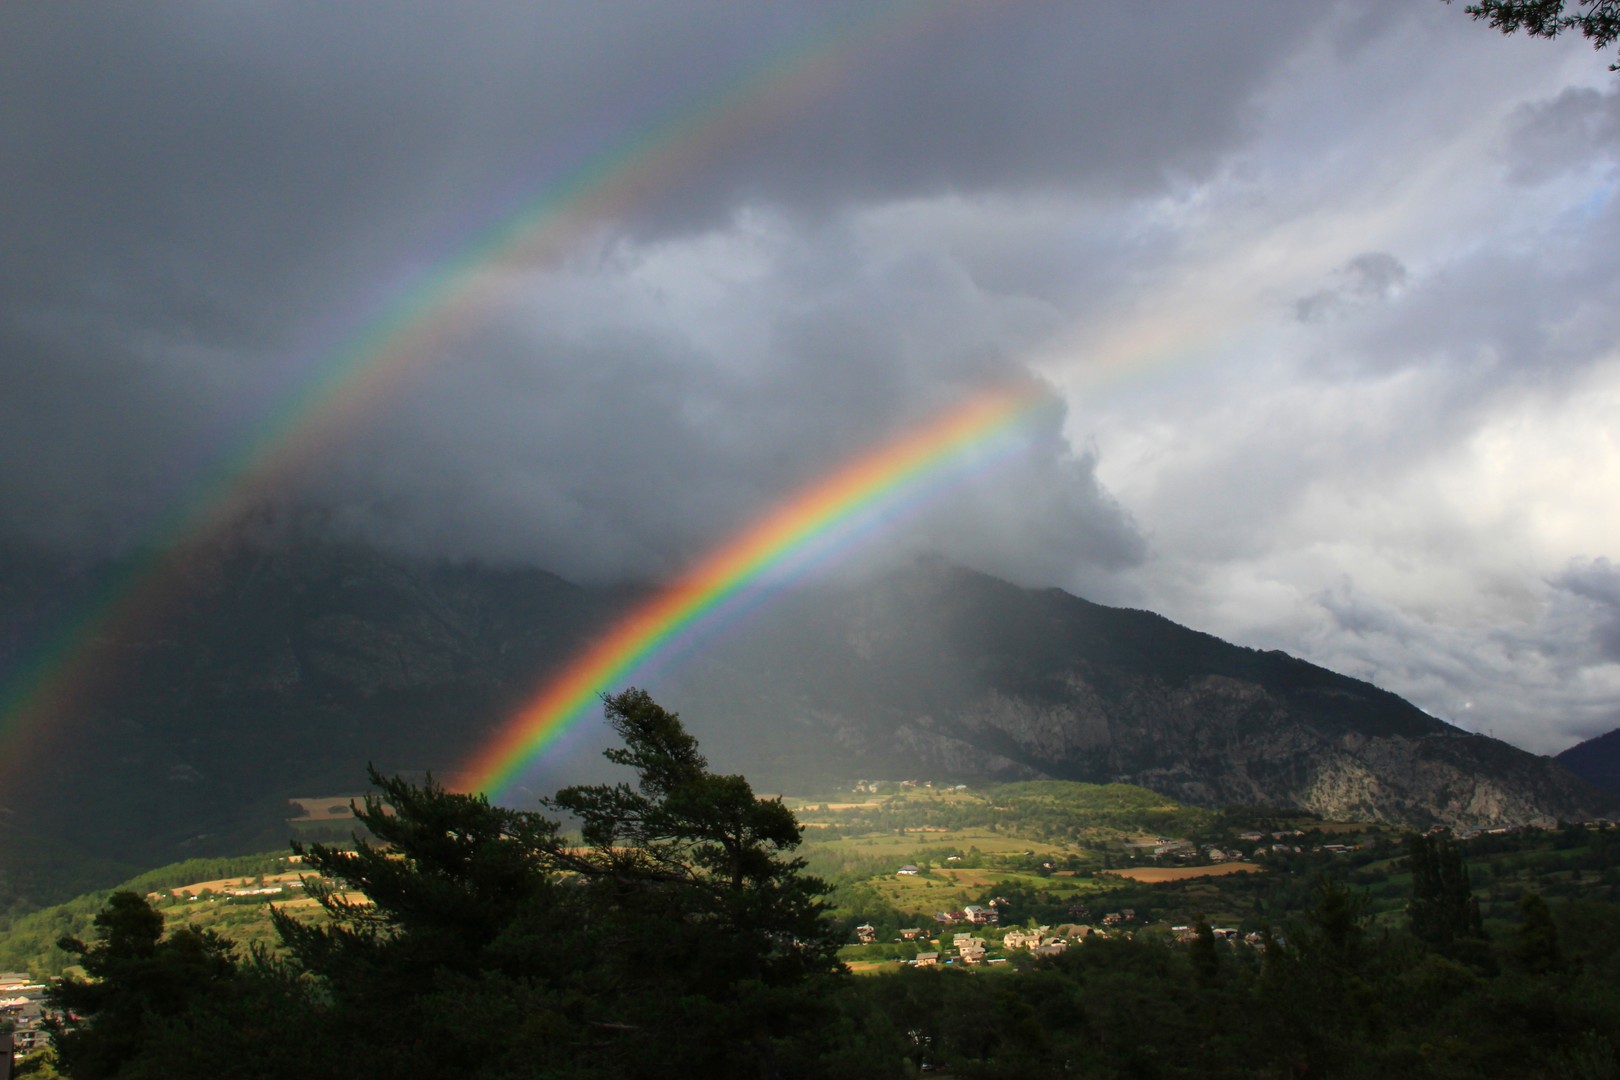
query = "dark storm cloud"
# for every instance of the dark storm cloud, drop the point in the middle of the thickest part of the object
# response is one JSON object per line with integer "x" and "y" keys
{"x": 1595, "y": 585}
{"x": 610, "y": 439}
{"x": 1055, "y": 96}
{"x": 199, "y": 193}
{"x": 267, "y": 141}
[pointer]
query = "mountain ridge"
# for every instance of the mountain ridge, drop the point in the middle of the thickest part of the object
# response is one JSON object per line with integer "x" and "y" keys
{"x": 1065, "y": 688}
{"x": 289, "y": 665}
{"x": 1597, "y": 760}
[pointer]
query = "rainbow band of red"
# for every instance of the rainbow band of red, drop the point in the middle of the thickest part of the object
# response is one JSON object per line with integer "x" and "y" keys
{"x": 861, "y": 487}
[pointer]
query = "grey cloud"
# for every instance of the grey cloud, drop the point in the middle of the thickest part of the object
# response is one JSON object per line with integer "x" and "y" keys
{"x": 1520, "y": 682}
{"x": 1362, "y": 615}
{"x": 1367, "y": 277}
{"x": 1316, "y": 305}
{"x": 1595, "y": 579}
{"x": 617, "y": 439}
{"x": 1375, "y": 274}
{"x": 1495, "y": 321}
{"x": 241, "y": 182}
{"x": 1594, "y": 585}
{"x": 1577, "y": 129}
{"x": 251, "y": 138}
{"x": 1041, "y": 98}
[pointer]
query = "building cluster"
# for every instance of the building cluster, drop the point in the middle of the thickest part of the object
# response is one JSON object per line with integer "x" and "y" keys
{"x": 872, "y": 787}
{"x": 22, "y": 1005}
{"x": 1278, "y": 842}
{"x": 1253, "y": 939}
{"x": 975, "y": 914}
{"x": 973, "y": 948}
{"x": 969, "y": 947}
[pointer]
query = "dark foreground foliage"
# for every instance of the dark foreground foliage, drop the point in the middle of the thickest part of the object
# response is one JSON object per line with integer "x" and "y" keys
{"x": 1596, "y": 20}
{"x": 472, "y": 940}
{"x": 681, "y": 938}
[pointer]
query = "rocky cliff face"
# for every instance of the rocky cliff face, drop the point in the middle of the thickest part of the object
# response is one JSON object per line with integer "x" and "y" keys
{"x": 1220, "y": 741}
{"x": 946, "y": 672}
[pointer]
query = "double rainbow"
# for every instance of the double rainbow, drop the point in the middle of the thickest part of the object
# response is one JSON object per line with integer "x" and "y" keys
{"x": 802, "y": 529}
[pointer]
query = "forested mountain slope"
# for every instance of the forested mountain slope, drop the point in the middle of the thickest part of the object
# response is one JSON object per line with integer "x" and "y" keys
{"x": 281, "y": 669}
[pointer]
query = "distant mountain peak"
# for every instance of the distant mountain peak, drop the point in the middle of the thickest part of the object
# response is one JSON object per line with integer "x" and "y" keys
{"x": 1597, "y": 760}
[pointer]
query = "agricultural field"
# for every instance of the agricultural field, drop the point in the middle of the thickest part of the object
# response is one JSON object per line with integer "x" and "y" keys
{"x": 1054, "y": 853}
{"x": 1183, "y": 873}
{"x": 924, "y": 895}
{"x": 288, "y": 880}
{"x": 909, "y": 852}
{"x": 1061, "y": 869}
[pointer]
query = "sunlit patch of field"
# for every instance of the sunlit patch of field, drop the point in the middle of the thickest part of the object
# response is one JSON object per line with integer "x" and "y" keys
{"x": 975, "y": 877}
{"x": 1152, "y": 874}
{"x": 899, "y": 798}
{"x": 298, "y": 903}
{"x": 911, "y": 845}
{"x": 357, "y": 898}
{"x": 941, "y": 890}
{"x": 219, "y": 885}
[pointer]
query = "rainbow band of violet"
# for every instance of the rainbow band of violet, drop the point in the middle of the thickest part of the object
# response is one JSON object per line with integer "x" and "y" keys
{"x": 695, "y": 604}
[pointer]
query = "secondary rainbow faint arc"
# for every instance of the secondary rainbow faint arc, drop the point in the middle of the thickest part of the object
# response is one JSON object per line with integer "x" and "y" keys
{"x": 404, "y": 331}
{"x": 771, "y": 540}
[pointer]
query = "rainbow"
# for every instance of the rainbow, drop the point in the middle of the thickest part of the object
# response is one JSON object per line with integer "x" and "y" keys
{"x": 345, "y": 380}
{"x": 821, "y": 518}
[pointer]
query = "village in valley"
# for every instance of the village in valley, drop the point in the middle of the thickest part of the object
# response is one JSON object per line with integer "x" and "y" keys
{"x": 22, "y": 1005}
{"x": 933, "y": 873}
{"x": 924, "y": 874}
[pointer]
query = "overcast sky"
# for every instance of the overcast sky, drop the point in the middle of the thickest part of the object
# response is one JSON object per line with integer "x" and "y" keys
{"x": 1330, "y": 292}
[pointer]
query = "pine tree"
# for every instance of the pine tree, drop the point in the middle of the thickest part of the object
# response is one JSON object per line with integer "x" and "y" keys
{"x": 1535, "y": 944}
{"x": 1596, "y": 20}
{"x": 138, "y": 980}
{"x": 721, "y": 934}
{"x": 680, "y": 931}
{"x": 1442, "y": 910}
{"x": 1206, "y": 961}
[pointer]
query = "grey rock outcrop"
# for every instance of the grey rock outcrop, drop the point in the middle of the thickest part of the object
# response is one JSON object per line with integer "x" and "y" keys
{"x": 949, "y": 673}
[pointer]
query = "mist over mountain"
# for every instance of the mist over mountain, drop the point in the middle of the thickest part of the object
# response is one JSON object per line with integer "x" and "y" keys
{"x": 286, "y": 666}
{"x": 271, "y": 670}
{"x": 942, "y": 671}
